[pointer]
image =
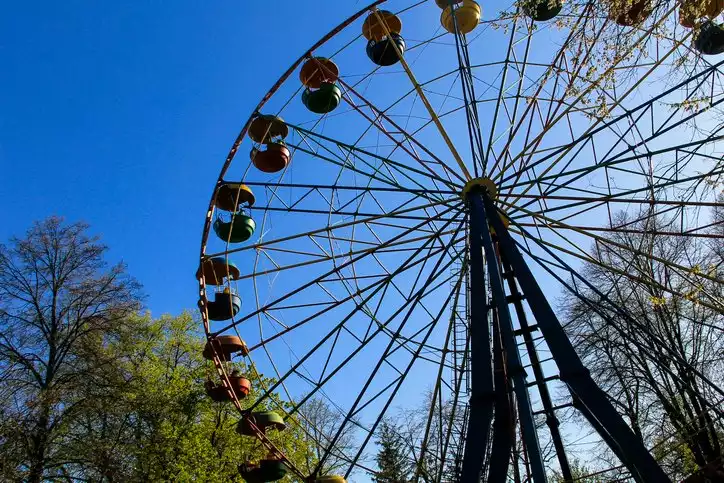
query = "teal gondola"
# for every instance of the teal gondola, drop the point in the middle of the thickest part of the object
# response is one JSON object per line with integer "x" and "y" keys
{"x": 224, "y": 306}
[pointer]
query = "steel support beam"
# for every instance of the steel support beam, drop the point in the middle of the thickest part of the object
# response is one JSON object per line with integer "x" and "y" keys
{"x": 540, "y": 379}
{"x": 597, "y": 406}
{"x": 512, "y": 357}
{"x": 481, "y": 371}
{"x": 504, "y": 424}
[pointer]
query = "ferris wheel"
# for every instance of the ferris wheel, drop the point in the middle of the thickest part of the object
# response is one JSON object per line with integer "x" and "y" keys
{"x": 399, "y": 216}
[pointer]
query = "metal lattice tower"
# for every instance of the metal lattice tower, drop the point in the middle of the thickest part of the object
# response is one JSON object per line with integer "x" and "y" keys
{"x": 497, "y": 385}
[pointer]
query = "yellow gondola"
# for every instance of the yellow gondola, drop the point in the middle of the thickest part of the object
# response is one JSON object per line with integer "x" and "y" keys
{"x": 265, "y": 128}
{"x": 330, "y": 479}
{"x": 374, "y": 29}
{"x": 466, "y": 15}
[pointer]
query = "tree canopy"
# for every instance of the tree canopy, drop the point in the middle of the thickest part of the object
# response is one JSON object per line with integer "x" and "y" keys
{"x": 91, "y": 389}
{"x": 650, "y": 341}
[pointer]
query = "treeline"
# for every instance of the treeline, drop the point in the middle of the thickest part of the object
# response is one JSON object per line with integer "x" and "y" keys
{"x": 93, "y": 390}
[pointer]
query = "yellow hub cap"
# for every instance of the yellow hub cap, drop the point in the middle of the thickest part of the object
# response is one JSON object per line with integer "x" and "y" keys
{"x": 484, "y": 183}
{"x": 488, "y": 185}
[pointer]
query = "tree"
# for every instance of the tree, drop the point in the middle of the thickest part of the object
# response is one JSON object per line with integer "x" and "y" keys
{"x": 91, "y": 390}
{"x": 660, "y": 358}
{"x": 156, "y": 423}
{"x": 161, "y": 426}
{"x": 430, "y": 440}
{"x": 321, "y": 422}
{"x": 432, "y": 435}
{"x": 716, "y": 246}
{"x": 392, "y": 461}
{"x": 58, "y": 297}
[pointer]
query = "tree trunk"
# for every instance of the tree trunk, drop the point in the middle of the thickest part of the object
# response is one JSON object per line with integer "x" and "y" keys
{"x": 39, "y": 445}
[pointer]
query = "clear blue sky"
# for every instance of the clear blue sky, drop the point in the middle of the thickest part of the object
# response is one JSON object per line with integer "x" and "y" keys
{"x": 121, "y": 113}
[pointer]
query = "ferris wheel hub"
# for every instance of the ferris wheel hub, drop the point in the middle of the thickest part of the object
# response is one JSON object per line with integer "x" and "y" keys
{"x": 485, "y": 184}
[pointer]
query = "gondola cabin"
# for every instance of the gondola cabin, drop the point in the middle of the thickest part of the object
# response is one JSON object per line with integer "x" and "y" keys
{"x": 323, "y": 100}
{"x": 238, "y": 227}
{"x": 542, "y": 10}
{"x": 446, "y": 3}
{"x": 635, "y": 14}
{"x": 225, "y": 305}
{"x": 686, "y": 18}
{"x": 239, "y": 384}
{"x": 382, "y": 31}
{"x": 710, "y": 39}
{"x": 218, "y": 393}
{"x": 271, "y": 158}
{"x": 270, "y": 469}
{"x": 232, "y": 196}
{"x": 461, "y": 17}
{"x": 321, "y": 94}
{"x": 378, "y": 23}
{"x": 224, "y": 346}
{"x": 266, "y": 128}
{"x": 384, "y": 52}
{"x": 691, "y": 12}
{"x": 218, "y": 269}
{"x": 271, "y": 154}
{"x": 330, "y": 479}
{"x": 263, "y": 420}
{"x": 703, "y": 8}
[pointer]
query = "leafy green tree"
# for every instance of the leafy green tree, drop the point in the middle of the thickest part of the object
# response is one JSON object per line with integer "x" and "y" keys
{"x": 161, "y": 426}
{"x": 92, "y": 390}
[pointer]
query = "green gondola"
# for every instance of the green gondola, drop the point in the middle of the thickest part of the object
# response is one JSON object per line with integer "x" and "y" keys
{"x": 238, "y": 229}
{"x": 266, "y": 470}
{"x": 322, "y": 100}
